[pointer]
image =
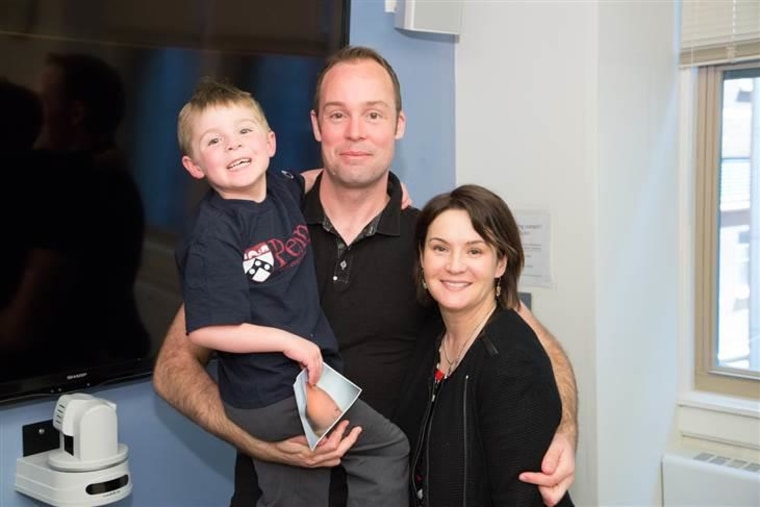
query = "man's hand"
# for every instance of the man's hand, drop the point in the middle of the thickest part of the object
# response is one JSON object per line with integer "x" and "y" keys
{"x": 557, "y": 470}
{"x": 310, "y": 177}
{"x": 295, "y": 451}
{"x": 406, "y": 199}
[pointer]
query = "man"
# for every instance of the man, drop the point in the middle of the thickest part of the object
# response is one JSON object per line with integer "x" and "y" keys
{"x": 364, "y": 248}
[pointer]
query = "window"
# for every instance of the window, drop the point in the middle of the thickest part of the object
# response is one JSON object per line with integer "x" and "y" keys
{"x": 727, "y": 254}
{"x": 720, "y": 42}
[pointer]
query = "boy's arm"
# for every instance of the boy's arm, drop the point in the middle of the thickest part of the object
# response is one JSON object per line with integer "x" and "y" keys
{"x": 558, "y": 467}
{"x": 249, "y": 338}
{"x": 181, "y": 379}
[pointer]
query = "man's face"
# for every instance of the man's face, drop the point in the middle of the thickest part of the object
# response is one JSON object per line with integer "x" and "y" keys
{"x": 357, "y": 123}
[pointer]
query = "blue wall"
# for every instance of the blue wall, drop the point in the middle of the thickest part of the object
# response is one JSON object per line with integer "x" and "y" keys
{"x": 425, "y": 66}
{"x": 173, "y": 462}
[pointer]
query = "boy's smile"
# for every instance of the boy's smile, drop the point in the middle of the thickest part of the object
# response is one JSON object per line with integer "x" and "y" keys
{"x": 239, "y": 163}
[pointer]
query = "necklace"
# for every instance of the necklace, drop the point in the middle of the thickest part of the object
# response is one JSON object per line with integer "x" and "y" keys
{"x": 453, "y": 364}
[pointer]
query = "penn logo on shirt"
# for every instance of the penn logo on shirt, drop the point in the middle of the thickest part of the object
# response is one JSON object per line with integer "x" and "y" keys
{"x": 258, "y": 262}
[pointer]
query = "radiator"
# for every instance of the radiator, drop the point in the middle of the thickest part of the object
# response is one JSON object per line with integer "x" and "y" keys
{"x": 702, "y": 479}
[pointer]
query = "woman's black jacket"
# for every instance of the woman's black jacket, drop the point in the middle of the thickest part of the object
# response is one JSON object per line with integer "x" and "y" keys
{"x": 492, "y": 419}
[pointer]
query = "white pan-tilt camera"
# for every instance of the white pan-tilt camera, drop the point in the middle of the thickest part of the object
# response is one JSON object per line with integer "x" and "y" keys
{"x": 89, "y": 467}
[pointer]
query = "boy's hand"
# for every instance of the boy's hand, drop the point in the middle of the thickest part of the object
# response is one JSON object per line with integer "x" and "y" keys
{"x": 306, "y": 353}
{"x": 557, "y": 471}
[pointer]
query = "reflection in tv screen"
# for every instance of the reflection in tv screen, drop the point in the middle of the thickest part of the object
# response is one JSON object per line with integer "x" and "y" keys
{"x": 95, "y": 191}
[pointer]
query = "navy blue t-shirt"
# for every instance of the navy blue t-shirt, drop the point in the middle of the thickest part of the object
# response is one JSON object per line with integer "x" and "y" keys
{"x": 243, "y": 261}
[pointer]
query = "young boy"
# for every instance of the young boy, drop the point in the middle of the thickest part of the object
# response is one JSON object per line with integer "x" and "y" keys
{"x": 250, "y": 293}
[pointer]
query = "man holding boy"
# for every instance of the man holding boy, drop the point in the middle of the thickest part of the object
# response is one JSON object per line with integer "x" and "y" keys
{"x": 265, "y": 320}
{"x": 364, "y": 248}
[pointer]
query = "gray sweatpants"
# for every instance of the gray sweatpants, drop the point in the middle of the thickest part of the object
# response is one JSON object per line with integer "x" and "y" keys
{"x": 377, "y": 467}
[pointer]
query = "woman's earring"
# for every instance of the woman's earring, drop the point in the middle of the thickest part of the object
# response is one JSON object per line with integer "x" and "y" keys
{"x": 498, "y": 287}
{"x": 424, "y": 284}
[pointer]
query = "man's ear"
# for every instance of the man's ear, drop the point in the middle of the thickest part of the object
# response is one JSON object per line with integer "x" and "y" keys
{"x": 315, "y": 126}
{"x": 193, "y": 168}
{"x": 400, "y": 125}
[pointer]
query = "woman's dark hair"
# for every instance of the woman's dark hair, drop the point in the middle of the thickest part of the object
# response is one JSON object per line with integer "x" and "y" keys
{"x": 492, "y": 220}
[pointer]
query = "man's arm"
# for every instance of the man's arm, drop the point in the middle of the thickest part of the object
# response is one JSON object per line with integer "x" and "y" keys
{"x": 563, "y": 373}
{"x": 558, "y": 466}
{"x": 180, "y": 378}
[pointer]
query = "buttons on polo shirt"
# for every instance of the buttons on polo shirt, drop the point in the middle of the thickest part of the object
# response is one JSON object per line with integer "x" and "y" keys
{"x": 343, "y": 266}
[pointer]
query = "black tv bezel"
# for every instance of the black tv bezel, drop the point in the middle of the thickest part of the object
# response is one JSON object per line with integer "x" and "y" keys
{"x": 48, "y": 387}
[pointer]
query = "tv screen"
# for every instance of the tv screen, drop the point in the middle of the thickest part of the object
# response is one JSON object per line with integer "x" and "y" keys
{"x": 96, "y": 194}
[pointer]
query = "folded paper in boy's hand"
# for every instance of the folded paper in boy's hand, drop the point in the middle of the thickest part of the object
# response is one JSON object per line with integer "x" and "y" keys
{"x": 322, "y": 405}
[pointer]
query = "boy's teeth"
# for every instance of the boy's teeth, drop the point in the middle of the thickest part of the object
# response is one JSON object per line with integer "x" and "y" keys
{"x": 239, "y": 162}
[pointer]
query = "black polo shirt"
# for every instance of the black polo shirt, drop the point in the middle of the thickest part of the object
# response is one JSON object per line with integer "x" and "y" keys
{"x": 367, "y": 291}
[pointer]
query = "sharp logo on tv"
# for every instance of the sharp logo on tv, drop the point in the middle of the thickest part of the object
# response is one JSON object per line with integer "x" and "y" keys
{"x": 76, "y": 376}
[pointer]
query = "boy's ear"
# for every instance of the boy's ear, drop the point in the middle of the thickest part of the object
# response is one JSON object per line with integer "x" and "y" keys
{"x": 193, "y": 168}
{"x": 271, "y": 143}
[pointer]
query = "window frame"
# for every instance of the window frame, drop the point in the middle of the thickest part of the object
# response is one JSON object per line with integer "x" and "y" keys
{"x": 707, "y": 149}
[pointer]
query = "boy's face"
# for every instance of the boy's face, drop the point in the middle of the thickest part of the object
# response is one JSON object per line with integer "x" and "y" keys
{"x": 232, "y": 149}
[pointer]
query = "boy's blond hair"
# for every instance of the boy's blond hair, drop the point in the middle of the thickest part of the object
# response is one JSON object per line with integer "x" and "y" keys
{"x": 210, "y": 93}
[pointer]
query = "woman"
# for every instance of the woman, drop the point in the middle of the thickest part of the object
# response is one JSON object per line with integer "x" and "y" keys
{"x": 482, "y": 405}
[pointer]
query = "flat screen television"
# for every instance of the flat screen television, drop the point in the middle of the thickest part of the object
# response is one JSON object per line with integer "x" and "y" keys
{"x": 88, "y": 284}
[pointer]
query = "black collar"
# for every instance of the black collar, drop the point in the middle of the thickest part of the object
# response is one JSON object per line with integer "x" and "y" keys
{"x": 390, "y": 217}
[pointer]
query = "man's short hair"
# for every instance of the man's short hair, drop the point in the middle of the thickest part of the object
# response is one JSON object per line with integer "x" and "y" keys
{"x": 354, "y": 54}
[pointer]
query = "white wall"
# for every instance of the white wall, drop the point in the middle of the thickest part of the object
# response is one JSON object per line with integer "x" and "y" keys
{"x": 638, "y": 218}
{"x": 571, "y": 107}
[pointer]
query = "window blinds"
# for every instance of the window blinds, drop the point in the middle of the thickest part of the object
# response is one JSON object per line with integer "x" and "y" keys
{"x": 719, "y": 31}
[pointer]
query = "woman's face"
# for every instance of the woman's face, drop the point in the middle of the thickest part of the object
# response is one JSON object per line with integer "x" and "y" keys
{"x": 459, "y": 267}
